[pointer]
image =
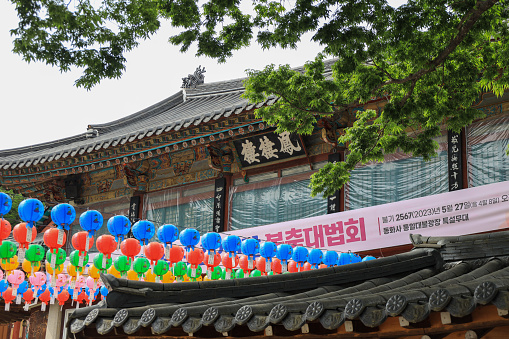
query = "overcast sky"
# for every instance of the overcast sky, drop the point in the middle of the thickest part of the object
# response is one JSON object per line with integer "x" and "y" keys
{"x": 39, "y": 104}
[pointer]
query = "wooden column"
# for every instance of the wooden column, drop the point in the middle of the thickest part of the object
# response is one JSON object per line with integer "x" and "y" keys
{"x": 53, "y": 330}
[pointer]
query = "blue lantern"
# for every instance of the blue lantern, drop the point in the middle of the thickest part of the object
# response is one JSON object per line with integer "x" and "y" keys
{"x": 284, "y": 253}
{"x": 211, "y": 242}
{"x": 30, "y": 211}
{"x": 315, "y": 257}
{"x": 231, "y": 244}
{"x": 189, "y": 238}
{"x": 331, "y": 258}
{"x": 368, "y": 258}
{"x": 63, "y": 216}
{"x": 5, "y": 204}
{"x": 167, "y": 234}
{"x": 250, "y": 247}
{"x": 348, "y": 258}
{"x": 300, "y": 255}
{"x": 144, "y": 230}
{"x": 91, "y": 221}
{"x": 3, "y": 285}
{"x": 119, "y": 226}
{"x": 23, "y": 287}
{"x": 267, "y": 251}
{"x": 104, "y": 291}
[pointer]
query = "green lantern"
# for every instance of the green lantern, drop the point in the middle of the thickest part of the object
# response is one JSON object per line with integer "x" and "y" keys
{"x": 223, "y": 274}
{"x": 122, "y": 264}
{"x": 8, "y": 250}
{"x": 255, "y": 273}
{"x": 74, "y": 259}
{"x": 98, "y": 262}
{"x": 34, "y": 253}
{"x": 179, "y": 270}
{"x": 161, "y": 268}
{"x": 60, "y": 256}
{"x": 239, "y": 274}
{"x": 197, "y": 272}
{"x": 141, "y": 266}
{"x": 216, "y": 273}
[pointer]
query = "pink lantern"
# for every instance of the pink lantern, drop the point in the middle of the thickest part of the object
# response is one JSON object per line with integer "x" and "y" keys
{"x": 16, "y": 278}
{"x": 61, "y": 280}
{"x": 1, "y": 274}
{"x": 38, "y": 279}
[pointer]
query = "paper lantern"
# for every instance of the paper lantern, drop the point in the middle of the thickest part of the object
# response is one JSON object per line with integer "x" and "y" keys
{"x": 132, "y": 275}
{"x": 63, "y": 297}
{"x": 91, "y": 221}
{"x": 5, "y": 204}
{"x": 51, "y": 239}
{"x": 30, "y": 211}
{"x": 101, "y": 264}
{"x": 58, "y": 257}
{"x": 144, "y": 230}
{"x": 268, "y": 251}
{"x": 216, "y": 273}
{"x": 244, "y": 264}
{"x": 78, "y": 261}
{"x": 82, "y": 242}
{"x": 168, "y": 278}
{"x": 10, "y": 264}
{"x": 193, "y": 272}
{"x": 150, "y": 277}
{"x": 22, "y": 288}
{"x": 300, "y": 255}
{"x": 5, "y": 229}
{"x": 176, "y": 254}
{"x": 7, "y": 251}
{"x": 255, "y": 273}
{"x": 28, "y": 296}
{"x": 210, "y": 243}
{"x": 368, "y": 258}
{"x": 58, "y": 269}
{"x": 104, "y": 291}
{"x": 8, "y": 297}
{"x": 189, "y": 238}
{"x": 292, "y": 266}
{"x": 106, "y": 244}
{"x": 161, "y": 268}
{"x": 16, "y": 278}
{"x": 211, "y": 262}
{"x": 122, "y": 264}
{"x": 250, "y": 247}
{"x": 3, "y": 285}
{"x": 261, "y": 264}
{"x": 130, "y": 248}
{"x": 154, "y": 251}
{"x": 239, "y": 274}
{"x": 141, "y": 266}
{"x": 35, "y": 253}
{"x": 93, "y": 272}
{"x": 229, "y": 263}
{"x": 119, "y": 226}
{"x": 276, "y": 266}
{"x": 38, "y": 279}
{"x": 284, "y": 253}
{"x": 330, "y": 258}
{"x": 61, "y": 280}
{"x": 348, "y": 258}
{"x": 315, "y": 257}
{"x": 113, "y": 271}
{"x": 179, "y": 270}
{"x": 195, "y": 258}
{"x": 167, "y": 234}
{"x": 30, "y": 267}
{"x": 63, "y": 215}
{"x": 20, "y": 235}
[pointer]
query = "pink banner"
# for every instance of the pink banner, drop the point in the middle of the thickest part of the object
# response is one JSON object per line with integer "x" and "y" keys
{"x": 473, "y": 210}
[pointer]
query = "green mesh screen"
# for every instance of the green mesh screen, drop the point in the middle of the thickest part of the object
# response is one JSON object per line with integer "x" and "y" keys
{"x": 275, "y": 203}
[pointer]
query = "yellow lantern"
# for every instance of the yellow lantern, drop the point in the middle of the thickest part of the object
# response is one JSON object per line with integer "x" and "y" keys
{"x": 28, "y": 268}
{"x": 113, "y": 270}
{"x": 10, "y": 265}
{"x": 94, "y": 272}
{"x": 199, "y": 278}
{"x": 186, "y": 278}
{"x": 131, "y": 275}
{"x": 59, "y": 269}
{"x": 149, "y": 276}
{"x": 168, "y": 278}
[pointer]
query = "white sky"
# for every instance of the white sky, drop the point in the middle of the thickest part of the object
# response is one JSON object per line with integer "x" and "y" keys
{"x": 39, "y": 104}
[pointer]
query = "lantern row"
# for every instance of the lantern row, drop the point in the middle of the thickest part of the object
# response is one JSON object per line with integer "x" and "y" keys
{"x": 164, "y": 258}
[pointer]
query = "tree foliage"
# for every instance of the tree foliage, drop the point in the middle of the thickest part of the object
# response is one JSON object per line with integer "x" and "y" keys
{"x": 429, "y": 59}
{"x": 13, "y": 216}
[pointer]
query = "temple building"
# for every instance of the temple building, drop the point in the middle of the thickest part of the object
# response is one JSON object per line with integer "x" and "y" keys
{"x": 202, "y": 159}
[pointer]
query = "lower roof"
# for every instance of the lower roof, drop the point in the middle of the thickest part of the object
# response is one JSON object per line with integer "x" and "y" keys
{"x": 457, "y": 276}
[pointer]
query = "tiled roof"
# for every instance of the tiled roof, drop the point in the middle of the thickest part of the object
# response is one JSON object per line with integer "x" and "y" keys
{"x": 187, "y": 108}
{"x": 436, "y": 276}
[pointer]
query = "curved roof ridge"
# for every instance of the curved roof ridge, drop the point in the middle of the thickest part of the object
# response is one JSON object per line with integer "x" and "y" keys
{"x": 43, "y": 145}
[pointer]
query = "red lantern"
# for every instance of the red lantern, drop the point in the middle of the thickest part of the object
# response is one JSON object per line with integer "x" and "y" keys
{"x": 276, "y": 265}
{"x": 322, "y": 266}
{"x": 45, "y": 297}
{"x": 63, "y": 297}
{"x": 260, "y": 264}
{"x": 8, "y": 298}
{"x": 5, "y": 229}
{"x": 106, "y": 244}
{"x": 292, "y": 266}
{"x": 210, "y": 266}
{"x": 306, "y": 267}
{"x": 176, "y": 254}
{"x": 80, "y": 243}
{"x": 154, "y": 251}
{"x": 130, "y": 248}
{"x": 229, "y": 263}
{"x": 28, "y": 296}
{"x": 51, "y": 239}
{"x": 20, "y": 234}
{"x": 244, "y": 263}
{"x": 82, "y": 297}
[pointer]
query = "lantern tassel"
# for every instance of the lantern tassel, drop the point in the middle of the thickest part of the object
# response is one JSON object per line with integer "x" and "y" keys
{"x": 284, "y": 267}
{"x": 18, "y": 299}
{"x": 54, "y": 260}
{"x": 43, "y": 307}
{"x": 167, "y": 252}
{"x": 7, "y": 306}
{"x": 267, "y": 265}
{"x": 21, "y": 254}
{"x": 211, "y": 257}
{"x": 52, "y": 300}
{"x": 228, "y": 274}
{"x": 250, "y": 263}
{"x": 60, "y": 239}
{"x": 209, "y": 273}
{"x": 29, "y": 232}
{"x": 104, "y": 261}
